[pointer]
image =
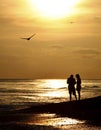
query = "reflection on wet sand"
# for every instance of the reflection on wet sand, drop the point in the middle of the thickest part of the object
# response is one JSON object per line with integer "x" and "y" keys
{"x": 51, "y": 119}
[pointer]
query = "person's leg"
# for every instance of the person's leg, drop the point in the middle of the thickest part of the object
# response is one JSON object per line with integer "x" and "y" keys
{"x": 79, "y": 95}
{"x": 75, "y": 96}
{"x": 74, "y": 93}
{"x": 70, "y": 97}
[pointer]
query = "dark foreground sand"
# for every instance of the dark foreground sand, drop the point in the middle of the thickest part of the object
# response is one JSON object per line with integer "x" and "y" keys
{"x": 87, "y": 109}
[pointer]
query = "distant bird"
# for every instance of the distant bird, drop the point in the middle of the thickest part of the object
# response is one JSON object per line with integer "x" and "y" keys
{"x": 28, "y": 38}
{"x": 72, "y": 22}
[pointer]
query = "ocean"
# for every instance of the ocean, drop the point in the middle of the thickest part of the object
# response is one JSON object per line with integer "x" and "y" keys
{"x": 41, "y": 91}
{"x": 18, "y": 94}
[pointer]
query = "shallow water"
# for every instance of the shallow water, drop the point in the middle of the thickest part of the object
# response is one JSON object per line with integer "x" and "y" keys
{"x": 48, "y": 121}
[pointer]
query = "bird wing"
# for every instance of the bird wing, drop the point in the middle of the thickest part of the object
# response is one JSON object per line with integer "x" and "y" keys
{"x": 28, "y": 38}
{"x": 32, "y": 35}
{"x": 24, "y": 38}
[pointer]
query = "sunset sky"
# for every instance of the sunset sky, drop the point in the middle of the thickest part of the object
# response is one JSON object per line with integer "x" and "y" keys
{"x": 67, "y": 40}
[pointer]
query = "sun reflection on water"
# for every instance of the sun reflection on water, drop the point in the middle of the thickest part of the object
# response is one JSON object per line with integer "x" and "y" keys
{"x": 53, "y": 88}
{"x": 55, "y": 83}
{"x": 52, "y": 120}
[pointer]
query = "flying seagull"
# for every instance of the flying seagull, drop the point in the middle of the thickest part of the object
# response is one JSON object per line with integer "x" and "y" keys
{"x": 28, "y": 38}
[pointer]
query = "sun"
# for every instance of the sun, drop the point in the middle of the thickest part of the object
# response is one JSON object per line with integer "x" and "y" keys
{"x": 54, "y": 9}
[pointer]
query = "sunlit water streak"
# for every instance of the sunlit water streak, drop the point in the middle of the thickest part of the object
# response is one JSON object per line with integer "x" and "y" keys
{"x": 52, "y": 119}
{"x": 27, "y": 92}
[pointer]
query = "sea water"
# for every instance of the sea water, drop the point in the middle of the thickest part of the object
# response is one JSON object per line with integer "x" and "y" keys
{"x": 39, "y": 91}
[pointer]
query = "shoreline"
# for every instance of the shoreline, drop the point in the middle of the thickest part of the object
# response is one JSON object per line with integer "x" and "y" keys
{"x": 86, "y": 109}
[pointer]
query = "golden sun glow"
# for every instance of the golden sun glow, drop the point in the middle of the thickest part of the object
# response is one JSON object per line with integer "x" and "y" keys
{"x": 54, "y": 9}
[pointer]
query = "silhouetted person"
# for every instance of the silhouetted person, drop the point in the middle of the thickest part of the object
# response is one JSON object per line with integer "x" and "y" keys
{"x": 71, "y": 86}
{"x": 78, "y": 85}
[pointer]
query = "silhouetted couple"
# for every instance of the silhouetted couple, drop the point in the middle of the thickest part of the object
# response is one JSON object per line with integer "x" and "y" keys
{"x": 71, "y": 86}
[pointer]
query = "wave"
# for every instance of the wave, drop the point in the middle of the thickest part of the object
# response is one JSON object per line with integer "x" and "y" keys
{"x": 94, "y": 87}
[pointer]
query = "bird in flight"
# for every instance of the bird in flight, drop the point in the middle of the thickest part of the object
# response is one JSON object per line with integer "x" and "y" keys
{"x": 28, "y": 38}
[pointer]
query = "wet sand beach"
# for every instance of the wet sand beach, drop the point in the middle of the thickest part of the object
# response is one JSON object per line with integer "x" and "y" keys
{"x": 47, "y": 116}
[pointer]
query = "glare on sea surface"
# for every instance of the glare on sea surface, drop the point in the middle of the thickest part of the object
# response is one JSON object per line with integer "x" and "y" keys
{"x": 56, "y": 88}
{"x": 52, "y": 120}
{"x": 55, "y": 83}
